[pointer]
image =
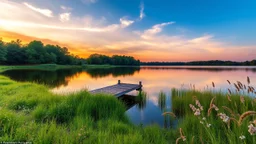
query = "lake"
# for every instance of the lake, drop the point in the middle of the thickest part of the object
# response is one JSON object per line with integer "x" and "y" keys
{"x": 155, "y": 79}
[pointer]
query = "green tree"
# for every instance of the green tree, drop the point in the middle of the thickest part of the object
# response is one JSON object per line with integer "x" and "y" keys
{"x": 3, "y": 52}
{"x": 15, "y": 54}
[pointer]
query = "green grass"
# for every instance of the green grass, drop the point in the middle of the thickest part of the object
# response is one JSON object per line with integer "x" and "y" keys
{"x": 219, "y": 131}
{"x": 50, "y": 67}
{"x": 53, "y": 67}
{"x": 31, "y": 113}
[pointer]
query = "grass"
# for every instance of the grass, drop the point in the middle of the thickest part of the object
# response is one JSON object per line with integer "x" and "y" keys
{"x": 53, "y": 67}
{"x": 208, "y": 126}
{"x": 50, "y": 67}
{"x": 31, "y": 113}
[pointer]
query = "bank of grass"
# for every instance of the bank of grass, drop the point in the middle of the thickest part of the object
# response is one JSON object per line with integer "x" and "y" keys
{"x": 30, "y": 112}
{"x": 49, "y": 67}
{"x": 207, "y": 125}
{"x": 53, "y": 67}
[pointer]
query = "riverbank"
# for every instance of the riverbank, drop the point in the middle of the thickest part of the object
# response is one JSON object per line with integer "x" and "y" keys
{"x": 53, "y": 67}
{"x": 30, "y": 112}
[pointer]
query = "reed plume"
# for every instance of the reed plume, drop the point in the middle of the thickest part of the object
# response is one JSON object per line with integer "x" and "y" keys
{"x": 169, "y": 113}
{"x": 248, "y": 80}
{"x": 213, "y": 85}
{"x": 229, "y": 98}
{"x": 228, "y": 82}
{"x": 237, "y": 88}
{"x": 244, "y": 115}
{"x": 229, "y": 91}
{"x": 181, "y": 136}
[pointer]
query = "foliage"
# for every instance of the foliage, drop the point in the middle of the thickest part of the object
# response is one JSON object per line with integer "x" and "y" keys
{"x": 206, "y": 63}
{"x": 114, "y": 60}
{"x": 14, "y": 53}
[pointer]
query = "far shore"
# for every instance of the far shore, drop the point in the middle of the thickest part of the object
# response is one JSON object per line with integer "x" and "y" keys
{"x": 53, "y": 67}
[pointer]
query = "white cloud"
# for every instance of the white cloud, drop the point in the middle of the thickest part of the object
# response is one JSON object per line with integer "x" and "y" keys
{"x": 154, "y": 30}
{"x": 88, "y": 34}
{"x": 125, "y": 23}
{"x": 64, "y": 17}
{"x": 45, "y": 12}
{"x": 142, "y": 14}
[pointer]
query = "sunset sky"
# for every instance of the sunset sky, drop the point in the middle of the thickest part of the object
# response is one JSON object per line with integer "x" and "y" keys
{"x": 150, "y": 30}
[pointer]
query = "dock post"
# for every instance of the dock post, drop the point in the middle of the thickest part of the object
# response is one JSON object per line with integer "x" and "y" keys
{"x": 140, "y": 83}
{"x": 119, "y": 81}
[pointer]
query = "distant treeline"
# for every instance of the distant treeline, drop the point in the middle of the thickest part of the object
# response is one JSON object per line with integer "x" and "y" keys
{"x": 204, "y": 63}
{"x": 14, "y": 53}
{"x": 114, "y": 60}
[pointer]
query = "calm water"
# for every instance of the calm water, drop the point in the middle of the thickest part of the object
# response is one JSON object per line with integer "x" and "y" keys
{"x": 154, "y": 79}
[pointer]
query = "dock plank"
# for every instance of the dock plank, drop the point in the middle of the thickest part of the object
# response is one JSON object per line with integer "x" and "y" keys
{"x": 118, "y": 89}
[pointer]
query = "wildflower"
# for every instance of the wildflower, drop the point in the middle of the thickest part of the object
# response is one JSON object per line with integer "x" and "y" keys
{"x": 252, "y": 129}
{"x": 203, "y": 118}
{"x": 208, "y": 125}
{"x": 224, "y": 117}
{"x": 184, "y": 138}
{"x": 197, "y": 112}
{"x": 242, "y": 137}
{"x": 215, "y": 107}
{"x": 192, "y": 107}
{"x": 199, "y": 105}
{"x": 201, "y": 122}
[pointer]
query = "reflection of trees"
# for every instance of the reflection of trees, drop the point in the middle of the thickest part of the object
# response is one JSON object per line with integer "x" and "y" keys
{"x": 49, "y": 78}
{"x": 116, "y": 71}
{"x": 162, "y": 101}
{"x": 141, "y": 100}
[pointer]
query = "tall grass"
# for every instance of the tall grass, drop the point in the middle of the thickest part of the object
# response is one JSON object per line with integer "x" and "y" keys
{"x": 214, "y": 117}
{"x": 31, "y": 113}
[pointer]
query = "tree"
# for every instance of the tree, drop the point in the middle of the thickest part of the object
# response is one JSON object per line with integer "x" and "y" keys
{"x": 15, "y": 54}
{"x": 3, "y": 52}
{"x": 36, "y": 53}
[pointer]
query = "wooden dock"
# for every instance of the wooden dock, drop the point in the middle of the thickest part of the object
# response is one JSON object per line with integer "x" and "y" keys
{"x": 118, "y": 89}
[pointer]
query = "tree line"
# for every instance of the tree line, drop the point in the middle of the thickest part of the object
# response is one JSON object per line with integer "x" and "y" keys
{"x": 114, "y": 60}
{"x": 35, "y": 52}
{"x": 204, "y": 63}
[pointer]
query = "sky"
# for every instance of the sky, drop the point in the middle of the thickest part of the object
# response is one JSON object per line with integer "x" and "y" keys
{"x": 149, "y": 30}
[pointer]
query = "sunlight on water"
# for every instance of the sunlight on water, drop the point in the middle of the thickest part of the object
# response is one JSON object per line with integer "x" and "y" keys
{"x": 154, "y": 79}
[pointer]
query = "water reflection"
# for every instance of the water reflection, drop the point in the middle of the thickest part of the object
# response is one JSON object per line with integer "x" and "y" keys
{"x": 115, "y": 72}
{"x": 49, "y": 78}
{"x": 145, "y": 107}
{"x": 162, "y": 101}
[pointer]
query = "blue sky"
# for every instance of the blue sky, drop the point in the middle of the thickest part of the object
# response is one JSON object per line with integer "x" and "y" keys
{"x": 180, "y": 29}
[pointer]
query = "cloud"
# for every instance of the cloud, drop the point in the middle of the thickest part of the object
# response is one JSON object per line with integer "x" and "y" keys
{"x": 65, "y": 8}
{"x": 64, "y": 17}
{"x": 125, "y": 23}
{"x": 87, "y": 34}
{"x": 89, "y": 1}
{"x": 142, "y": 14}
{"x": 154, "y": 30}
{"x": 45, "y": 12}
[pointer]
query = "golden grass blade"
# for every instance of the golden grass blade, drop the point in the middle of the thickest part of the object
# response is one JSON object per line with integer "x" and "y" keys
{"x": 169, "y": 113}
{"x": 244, "y": 115}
